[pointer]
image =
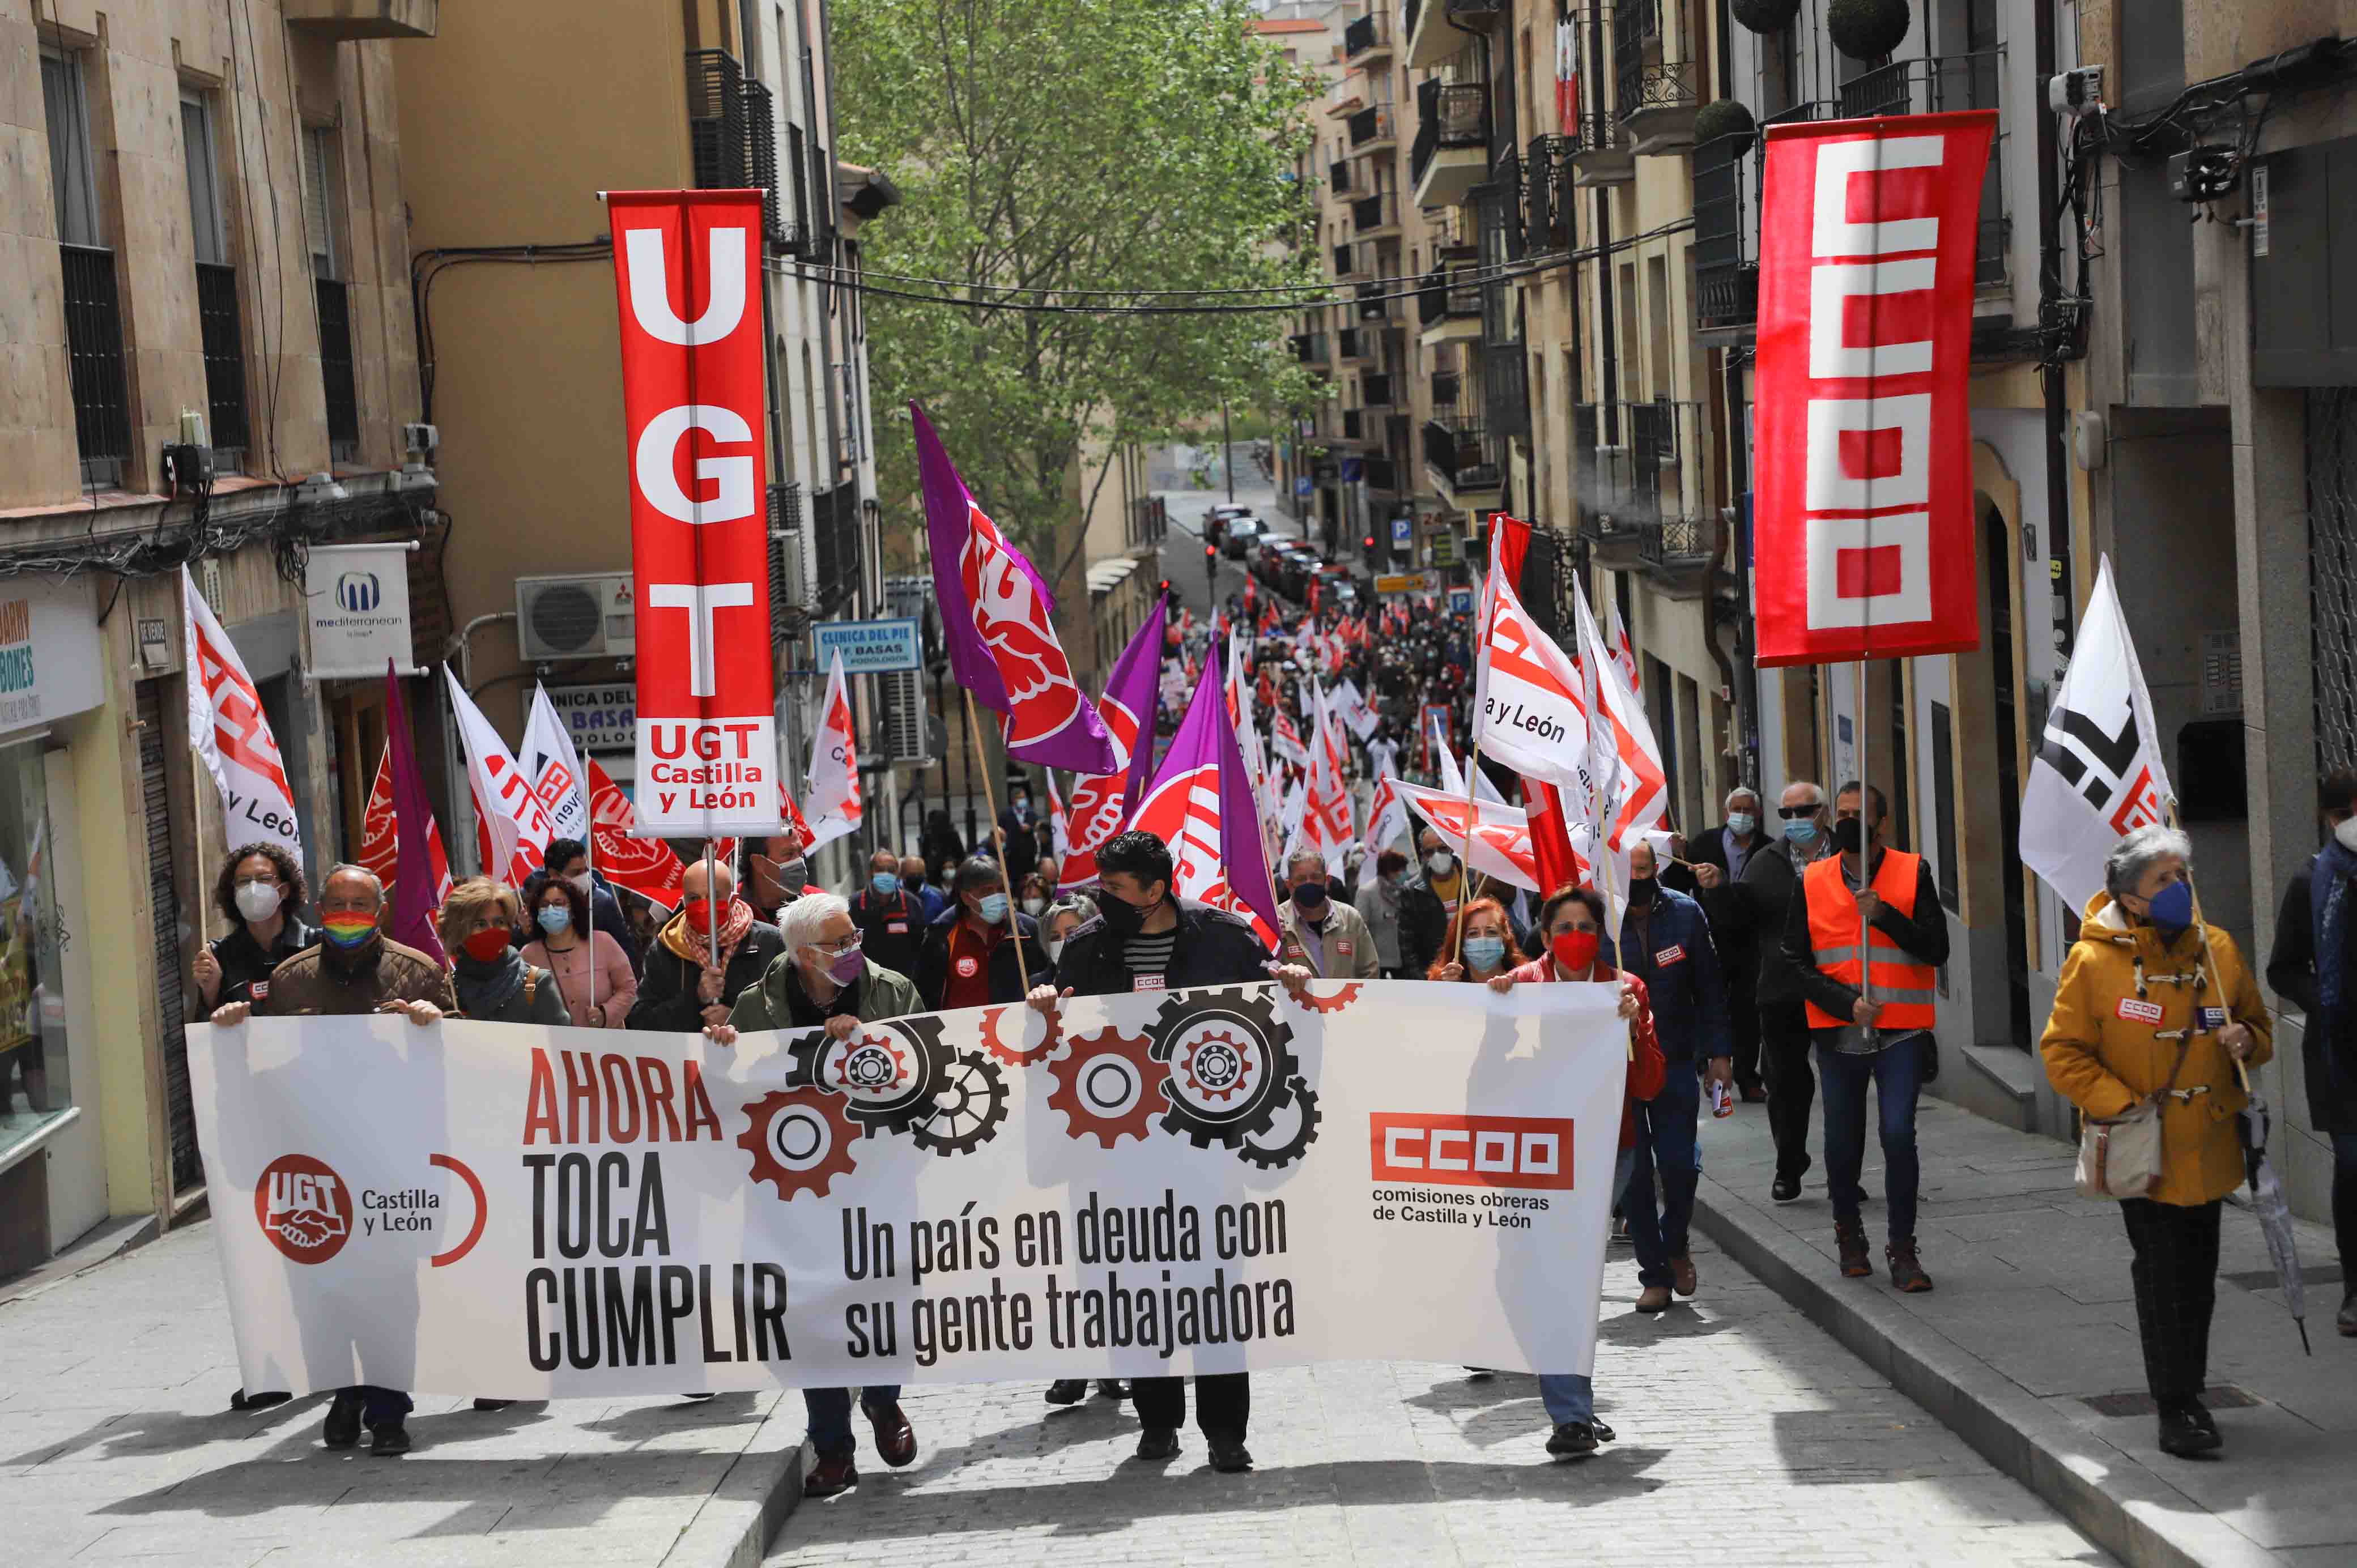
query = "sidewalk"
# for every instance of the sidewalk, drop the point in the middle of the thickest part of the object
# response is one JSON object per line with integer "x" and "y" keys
{"x": 2029, "y": 1347}
{"x": 116, "y": 1442}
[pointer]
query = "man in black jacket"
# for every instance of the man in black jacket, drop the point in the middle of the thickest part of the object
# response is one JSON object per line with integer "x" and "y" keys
{"x": 680, "y": 989}
{"x": 1718, "y": 856}
{"x": 1770, "y": 883}
{"x": 967, "y": 957}
{"x": 1423, "y": 909}
{"x": 1144, "y": 938}
{"x": 890, "y": 915}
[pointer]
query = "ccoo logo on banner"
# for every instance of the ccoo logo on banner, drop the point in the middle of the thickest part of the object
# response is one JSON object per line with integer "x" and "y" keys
{"x": 687, "y": 268}
{"x": 1864, "y": 511}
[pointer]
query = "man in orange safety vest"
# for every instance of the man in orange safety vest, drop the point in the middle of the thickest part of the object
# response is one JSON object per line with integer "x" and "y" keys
{"x": 1866, "y": 955}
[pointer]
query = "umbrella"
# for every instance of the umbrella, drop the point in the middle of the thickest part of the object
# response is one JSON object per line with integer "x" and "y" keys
{"x": 2274, "y": 1214}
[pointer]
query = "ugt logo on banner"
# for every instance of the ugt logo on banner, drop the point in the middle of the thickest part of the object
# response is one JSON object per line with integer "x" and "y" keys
{"x": 686, "y": 266}
{"x": 1865, "y": 507}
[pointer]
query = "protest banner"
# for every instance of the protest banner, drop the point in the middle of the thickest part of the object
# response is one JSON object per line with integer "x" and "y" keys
{"x": 1206, "y": 1180}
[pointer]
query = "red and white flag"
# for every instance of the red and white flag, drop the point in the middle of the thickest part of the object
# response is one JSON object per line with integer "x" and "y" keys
{"x": 549, "y": 759}
{"x": 1864, "y": 533}
{"x": 511, "y": 826}
{"x": 834, "y": 808}
{"x": 687, "y": 268}
{"x": 1623, "y": 653}
{"x": 380, "y": 835}
{"x": 1632, "y": 790}
{"x": 648, "y": 868}
{"x": 1386, "y": 815}
{"x": 1528, "y": 711}
{"x": 1326, "y": 825}
{"x": 231, "y": 735}
{"x": 1499, "y": 844}
{"x": 1285, "y": 740}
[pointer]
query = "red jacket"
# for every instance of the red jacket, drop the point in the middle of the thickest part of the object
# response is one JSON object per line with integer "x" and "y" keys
{"x": 1647, "y": 1069}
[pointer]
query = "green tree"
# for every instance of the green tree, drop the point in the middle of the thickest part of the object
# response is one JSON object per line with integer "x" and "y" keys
{"x": 1066, "y": 145}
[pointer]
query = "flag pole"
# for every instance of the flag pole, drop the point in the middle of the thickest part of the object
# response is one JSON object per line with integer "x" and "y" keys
{"x": 1865, "y": 852}
{"x": 997, "y": 833}
{"x": 1465, "y": 866}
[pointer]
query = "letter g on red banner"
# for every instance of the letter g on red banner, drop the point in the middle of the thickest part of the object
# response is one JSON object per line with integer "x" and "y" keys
{"x": 687, "y": 274}
{"x": 1864, "y": 540}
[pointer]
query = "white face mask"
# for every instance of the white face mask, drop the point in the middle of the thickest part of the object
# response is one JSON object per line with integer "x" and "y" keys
{"x": 2346, "y": 831}
{"x": 1439, "y": 862}
{"x": 580, "y": 883}
{"x": 257, "y": 900}
{"x": 1035, "y": 907}
{"x": 1055, "y": 946}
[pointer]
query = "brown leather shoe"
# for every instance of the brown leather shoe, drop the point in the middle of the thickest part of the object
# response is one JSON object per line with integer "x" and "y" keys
{"x": 1654, "y": 1298}
{"x": 895, "y": 1439}
{"x": 1682, "y": 1274}
{"x": 831, "y": 1474}
{"x": 1906, "y": 1273}
{"x": 1857, "y": 1262}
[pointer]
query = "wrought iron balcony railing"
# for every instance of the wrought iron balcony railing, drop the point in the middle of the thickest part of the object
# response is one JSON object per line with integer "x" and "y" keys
{"x": 1637, "y": 464}
{"x": 1547, "y": 196}
{"x": 1462, "y": 452}
{"x": 1338, "y": 177}
{"x": 102, "y": 393}
{"x": 1372, "y": 124}
{"x": 1448, "y": 115}
{"x": 224, "y": 341}
{"x": 1370, "y": 213}
{"x": 1928, "y": 86}
{"x": 1727, "y": 270}
{"x": 1367, "y": 33}
{"x": 1448, "y": 292}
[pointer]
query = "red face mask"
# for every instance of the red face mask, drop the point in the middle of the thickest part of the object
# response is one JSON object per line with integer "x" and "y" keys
{"x": 699, "y": 914}
{"x": 487, "y": 943}
{"x": 1574, "y": 950}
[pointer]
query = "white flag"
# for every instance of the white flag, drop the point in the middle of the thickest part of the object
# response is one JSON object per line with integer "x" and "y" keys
{"x": 1498, "y": 846}
{"x": 1386, "y": 813}
{"x": 2098, "y": 773}
{"x": 515, "y": 828}
{"x": 555, "y": 772}
{"x": 231, "y": 735}
{"x": 835, "y": 809}
{"x": 1623, "y": 757}
{"x": 1352, "y": 706}
{"x": 1452, "y": 779}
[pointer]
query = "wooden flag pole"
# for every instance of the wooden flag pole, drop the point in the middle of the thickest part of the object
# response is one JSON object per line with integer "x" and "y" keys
{"x": 997, "y": 833}
{"x": 1464, "y": 861}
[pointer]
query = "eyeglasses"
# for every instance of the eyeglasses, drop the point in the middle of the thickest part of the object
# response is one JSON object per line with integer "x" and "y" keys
{"x": 1794, "y": 813}
{"x": 838, "y": 947}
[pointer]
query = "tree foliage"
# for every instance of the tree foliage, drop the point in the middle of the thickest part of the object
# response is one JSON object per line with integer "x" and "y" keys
{"x": 1121, "y": 144}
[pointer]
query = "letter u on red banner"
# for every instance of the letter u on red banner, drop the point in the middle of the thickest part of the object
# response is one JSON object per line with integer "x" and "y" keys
{"x": 1864, "y": 538}
{"x": 687, "y": 269}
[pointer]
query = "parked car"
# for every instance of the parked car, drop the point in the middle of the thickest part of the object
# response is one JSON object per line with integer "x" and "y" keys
{"x": 1239, "y": 536}
{"x": 1336, "y": 586}
{"x": 1267, "y": 555}
{"x": 1294, "y": 571}
{"x": 1216, "y": 520}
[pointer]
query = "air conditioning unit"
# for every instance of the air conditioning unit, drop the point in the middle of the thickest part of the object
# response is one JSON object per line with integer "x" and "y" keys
{"x": 593, "y": 617}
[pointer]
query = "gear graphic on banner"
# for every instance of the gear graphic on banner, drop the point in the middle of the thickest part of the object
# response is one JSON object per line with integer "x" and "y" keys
{"x": 1275, "y": 1156}
{"x": 1107, "y": 1087}
{"x": 1344, "y": 994}
{"x": 968, "y": 1110}
{"x": 1020, "y": 1019}
{"x": 799, "y": 1139}
{"x": 1231, "y": 1061}
{"x": 889, "y": 1073}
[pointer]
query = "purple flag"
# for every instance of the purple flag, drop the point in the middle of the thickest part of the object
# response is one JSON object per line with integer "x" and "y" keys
{"x": 998, "y": 621}
{"x": 1104, "y": 803}
{"x": 413, "y": 891}
{"x": 1202, "y": 805}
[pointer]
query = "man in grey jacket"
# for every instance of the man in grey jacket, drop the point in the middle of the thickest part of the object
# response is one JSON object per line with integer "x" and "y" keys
{"x": 1319, "y": 930}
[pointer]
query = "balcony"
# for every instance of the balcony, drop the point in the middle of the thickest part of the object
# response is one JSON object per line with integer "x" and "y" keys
{"x": 1309, "y": 348}
{"x": 1346, "y": 261}
{"x": 336, "y": 20}
{"x": 1367, "y": 39}
{"x": 1928, "y": 86}
{"x": 1599, "y": 153}
{"x": 1680, "y": 554}
{"x": 732, "y": 137}
{"x": 1376, "y": 301}
{"x": 1375, "y": 215}
{"x": 1351, "y": 345}
{"x": 1464, "y": 461}
{"x": 1654, "y": 83}
{"x": 1638, "y": 472}
{"x": 1506, "y": 388}
{"x": 1443, "y": 389}
{"x": 1726, "y": 264}
{"x": 101, "y": 395}
{"x": 1377, "y": 390}
{"x": 1338, "y": 177}
{"x": 1547, "y": 196}
{"x": 1430, "y": 39}
{"x": 1451, "y": 155}
{"x": 1448, "y": 307}
{"x": 1372, "y": 129}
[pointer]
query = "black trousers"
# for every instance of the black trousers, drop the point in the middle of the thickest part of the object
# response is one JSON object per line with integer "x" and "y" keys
{"x": 1791, "y": 1082}
{"x": 1222, "y": 1402}
{"x": 2175, "y": 1275}
{"x": 1743, "y": 1021}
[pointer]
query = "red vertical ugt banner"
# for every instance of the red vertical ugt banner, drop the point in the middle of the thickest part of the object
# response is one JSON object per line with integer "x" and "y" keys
{"x": 688, "y": 267}
{"x": 1863, "y": 518}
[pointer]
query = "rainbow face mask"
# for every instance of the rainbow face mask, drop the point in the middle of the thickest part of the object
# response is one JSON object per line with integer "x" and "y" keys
{"x": 347, "y": 931}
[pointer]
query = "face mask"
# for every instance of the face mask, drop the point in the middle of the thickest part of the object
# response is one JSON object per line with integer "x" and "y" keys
{"x": 1053, "y": 947}
{"x": 1640, "y": 892}
{"x": 793, "y": 873}
{"x": 487, "y": 944}
{"x": 993, "y": 909}
{"x": 2171, "y": 908}
{"x": 1574, "y": 950}
{"x": 699, "y": 915}
{"x": 348, "y": 930}
{"x": 1847, "y": 835}
{"x": 1439, "y": 862}
{"x": 2345, "y": 831}
{"x": 554, "y": 919}
{"x": 885, "y": 884}
{"x": 580, "y": 883}
{"x": 258, "y": 900}
{"x": 1035, "y": 907}
{"x": 843, "y": 968}
{"x": 1309, "y": 895}
{"x": 1122, "y": 917}
{"x": 1741, "y": 823}
{"x": 1485, "y": 953}
{"x": 1800, "y": 832}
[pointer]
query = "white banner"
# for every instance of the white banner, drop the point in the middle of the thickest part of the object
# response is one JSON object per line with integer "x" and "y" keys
{"x": 1204, "y": 1181}
{"x": 358, "y": 598}
{"x": 557, "y": 777}
{"x": 835, "y": 809}
{"x": 512, "y": 827}
{"x": 231, "y": 735}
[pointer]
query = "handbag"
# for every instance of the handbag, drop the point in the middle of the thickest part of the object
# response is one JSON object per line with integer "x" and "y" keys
{"x": 2121, "y": 1157}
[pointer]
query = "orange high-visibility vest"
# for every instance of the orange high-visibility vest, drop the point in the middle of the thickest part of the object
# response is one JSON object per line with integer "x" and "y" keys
{"x": 1908, "y": 989}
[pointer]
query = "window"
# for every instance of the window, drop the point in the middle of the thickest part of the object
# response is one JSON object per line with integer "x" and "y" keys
{"x": 70, "y": 175}
{"x": 92, "y": 310}
{"x": 322, "y": 199}
{"x": 322, "y": 206}
{"x": 206, "y": 230}
{"x": 32, "y": 1001}
{"x": 217, "y": 302}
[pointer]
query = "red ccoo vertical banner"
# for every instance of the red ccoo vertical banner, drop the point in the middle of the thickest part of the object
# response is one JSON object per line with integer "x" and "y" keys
{"x": 687, "y": 268}
{"x": 1863, "y": 516}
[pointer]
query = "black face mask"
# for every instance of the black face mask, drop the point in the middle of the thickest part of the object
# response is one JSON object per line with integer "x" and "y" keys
{"x": 1641, "y": 891}
{"x": 1309, "y": 895}
{"x": 1847, "y": 836}
{"x": 1121, "y": 917}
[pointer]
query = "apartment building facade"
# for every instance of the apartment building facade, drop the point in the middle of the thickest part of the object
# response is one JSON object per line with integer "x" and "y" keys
{"x": 205, "y": 312}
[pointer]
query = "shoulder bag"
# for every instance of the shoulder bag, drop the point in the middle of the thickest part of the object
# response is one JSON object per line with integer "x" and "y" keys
{"x": 2122, "y": 1157}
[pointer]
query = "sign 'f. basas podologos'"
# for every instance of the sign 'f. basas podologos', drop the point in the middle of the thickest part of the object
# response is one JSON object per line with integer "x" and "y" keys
{"x": 1196, "y": 1181}
{"x": 687, "y": 269}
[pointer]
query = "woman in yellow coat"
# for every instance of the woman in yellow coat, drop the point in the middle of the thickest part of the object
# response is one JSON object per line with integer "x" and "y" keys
{"x": 2138, "y": 991}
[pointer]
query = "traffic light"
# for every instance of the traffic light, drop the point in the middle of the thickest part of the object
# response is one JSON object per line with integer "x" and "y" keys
{"x": 1163, "y": 588}
{"x": 1210, "y": 553}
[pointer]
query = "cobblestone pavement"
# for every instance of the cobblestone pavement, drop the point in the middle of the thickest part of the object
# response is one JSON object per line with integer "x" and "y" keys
{"x": 1746, "y": 1436}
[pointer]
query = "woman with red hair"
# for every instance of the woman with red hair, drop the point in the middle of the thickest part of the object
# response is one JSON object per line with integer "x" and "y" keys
{"x": 1480, "y": 946}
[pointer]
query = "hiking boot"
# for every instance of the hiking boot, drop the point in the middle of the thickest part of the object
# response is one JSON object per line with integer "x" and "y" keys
{"x": 1682, "y": 1274}
{"x": 834, "y": 1473}
{"x": 1654, "y": 1298}
{"x": 1067, "y": 1391}
{"x": 1573, "y": 1440}
{"x": 1857, "y": 1262}
{"x": 1906, "y": 1272}
{"x": 344, "y": 1424}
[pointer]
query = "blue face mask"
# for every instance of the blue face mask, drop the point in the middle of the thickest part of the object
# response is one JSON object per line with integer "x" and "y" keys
{"x": 885, "y": 884}
{"x": 2172, "y": 907}
{"x": 555, "y": 917}
{"x": 994, "y": 909}
{"x": 1484, "y": 952}
{"x": 1800, "y": 832}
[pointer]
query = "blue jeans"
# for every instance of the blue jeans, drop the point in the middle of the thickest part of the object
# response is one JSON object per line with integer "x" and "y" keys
{"x": 1571, "y": 1396}
{"x": 1897, "y": 1074}
{"x": 830, "y": 1415}
{"x": 1665, "y": 1145}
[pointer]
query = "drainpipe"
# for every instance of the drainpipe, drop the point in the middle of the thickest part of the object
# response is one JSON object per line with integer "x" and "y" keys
{"x": 2050, "y": 286}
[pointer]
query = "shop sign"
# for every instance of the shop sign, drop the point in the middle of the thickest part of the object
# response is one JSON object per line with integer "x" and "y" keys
{"x": 600, "y": 717}
{"x": 358, "y": 595}
{"x": 50, "y": 661}
{"x": 868, "y": 646}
